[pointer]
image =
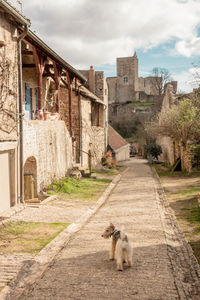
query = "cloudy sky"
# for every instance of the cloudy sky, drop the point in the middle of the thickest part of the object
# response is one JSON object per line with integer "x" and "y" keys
{"x": 165, "y": 33}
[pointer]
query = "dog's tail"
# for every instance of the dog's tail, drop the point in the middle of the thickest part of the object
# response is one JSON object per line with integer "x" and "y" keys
{"x": 122, "y": 233}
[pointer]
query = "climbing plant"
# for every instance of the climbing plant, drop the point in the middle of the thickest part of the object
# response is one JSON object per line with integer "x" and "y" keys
{"x": 8, "y": 94}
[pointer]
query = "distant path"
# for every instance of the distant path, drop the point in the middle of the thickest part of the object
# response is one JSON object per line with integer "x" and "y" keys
{"x": 163, "y": 265}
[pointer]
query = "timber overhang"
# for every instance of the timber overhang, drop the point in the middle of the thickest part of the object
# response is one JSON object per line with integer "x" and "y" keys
{"x": 40, "y": 45}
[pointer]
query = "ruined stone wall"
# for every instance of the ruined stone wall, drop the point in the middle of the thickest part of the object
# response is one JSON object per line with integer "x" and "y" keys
{"x": 99, "y": 85}
{"x": 50, "y": 144}
{"x": 92, "y": 136}
{"x": 128, "y": 118}
{"x": 8, "y": 79}
{"x": 112, "y": 89}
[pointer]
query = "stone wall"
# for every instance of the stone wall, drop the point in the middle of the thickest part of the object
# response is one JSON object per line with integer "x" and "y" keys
{"x": 9, "y": 79}
{"x": 76, "y": 124}
{"x": 123, "y": 153}
{"x": 170, "y": 152}
{"x": 149, "y": 85}
{"x": 128, "y": 118}
{"x": 50, "y": 144}
{"x": 64, "y": 106}
{"x": 167, "y": 146}
{"x": 112, "y": 89}
{"x": 92, "y": 136}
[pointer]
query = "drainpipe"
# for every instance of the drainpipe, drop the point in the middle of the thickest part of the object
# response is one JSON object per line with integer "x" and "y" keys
{"x": 21, "y": 36}
{"x": 80, "y": 124}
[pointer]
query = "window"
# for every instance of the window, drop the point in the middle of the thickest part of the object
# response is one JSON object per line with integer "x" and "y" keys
{"x": 126, "y": 79}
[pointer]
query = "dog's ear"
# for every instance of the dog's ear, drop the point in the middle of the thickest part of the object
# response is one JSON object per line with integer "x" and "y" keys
{"x": 111, "y": 225}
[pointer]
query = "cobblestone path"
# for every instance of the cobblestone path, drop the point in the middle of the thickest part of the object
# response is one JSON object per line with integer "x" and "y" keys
{"x": 10, "y": 264}
{"x": 163, "y": 264}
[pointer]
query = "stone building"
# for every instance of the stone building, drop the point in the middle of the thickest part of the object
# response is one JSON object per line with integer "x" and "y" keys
{"x": 12, "y": 24}
{"x": 127, "y": 86}
{"x": 49, "y": 121}
{"x": 119, "y": 147}
{"x": 173, "y": 152}
{"x": 97, "y": 84}
{"x": 54, "y": 88}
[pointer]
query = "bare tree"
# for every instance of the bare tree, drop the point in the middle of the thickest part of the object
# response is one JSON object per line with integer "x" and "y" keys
{"x": 161, "y": 77}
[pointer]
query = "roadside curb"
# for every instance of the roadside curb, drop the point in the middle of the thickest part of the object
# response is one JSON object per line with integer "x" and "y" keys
{"x": 186, "y": 254}
{"x": 28, "y": 274}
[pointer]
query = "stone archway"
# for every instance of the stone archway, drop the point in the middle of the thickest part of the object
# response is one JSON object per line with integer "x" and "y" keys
{"x": 30, "y": 178}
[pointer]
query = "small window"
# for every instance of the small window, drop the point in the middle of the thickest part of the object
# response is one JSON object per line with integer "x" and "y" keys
{"x": 125, "y": 79}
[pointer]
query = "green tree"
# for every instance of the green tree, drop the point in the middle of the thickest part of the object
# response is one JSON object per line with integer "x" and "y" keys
{"x": 155, "y": 150}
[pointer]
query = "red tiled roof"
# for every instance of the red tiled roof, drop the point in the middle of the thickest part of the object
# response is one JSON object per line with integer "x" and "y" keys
{"x": 114, "y": 139}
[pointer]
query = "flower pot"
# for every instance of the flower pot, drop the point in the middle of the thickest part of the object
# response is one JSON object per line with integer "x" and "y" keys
{"x": 41, "y": 114}
{"x": 47, "y": 115}
{"x": 55, "y": 116}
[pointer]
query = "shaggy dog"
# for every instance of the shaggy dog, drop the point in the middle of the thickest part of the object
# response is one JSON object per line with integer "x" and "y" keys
{"x": 121, "y": 248}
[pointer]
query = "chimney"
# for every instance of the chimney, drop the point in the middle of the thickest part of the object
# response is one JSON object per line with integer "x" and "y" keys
{"x": 92, "y": 79}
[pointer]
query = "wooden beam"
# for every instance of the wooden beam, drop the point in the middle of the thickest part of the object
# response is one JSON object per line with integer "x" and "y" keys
{"x": 27, "y": 52}
{"x": 28, "y": 65}
{"x": 65, "y": 83}
{"x": 39, "y": 62}
{"x": 69, "y": 82}
{"x": 57, "y": 76}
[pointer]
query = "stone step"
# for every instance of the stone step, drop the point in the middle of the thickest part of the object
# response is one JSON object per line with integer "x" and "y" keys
{"x": 34, "y": 200}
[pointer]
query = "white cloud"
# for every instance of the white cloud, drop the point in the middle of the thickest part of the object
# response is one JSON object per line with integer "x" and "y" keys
{"x": 88, "y": 32}
{"x": 188, "y": 48}
{"x": 188, "y": 80}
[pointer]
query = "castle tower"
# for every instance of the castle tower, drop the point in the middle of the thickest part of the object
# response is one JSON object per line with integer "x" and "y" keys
{"x": 127, "y": 78}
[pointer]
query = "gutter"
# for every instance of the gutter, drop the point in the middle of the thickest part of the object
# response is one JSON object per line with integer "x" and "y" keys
{"x": 21, "y": 133}
{"x": 15, "y": 13}
{"x": 80, "y": 124}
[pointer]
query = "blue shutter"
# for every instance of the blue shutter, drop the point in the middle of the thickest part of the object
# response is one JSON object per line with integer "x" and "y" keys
{"x": 28, "y": 97}
{"x": 36, "y": 95}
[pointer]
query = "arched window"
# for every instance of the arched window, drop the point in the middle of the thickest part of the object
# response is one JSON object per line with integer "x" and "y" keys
{"x": 126, "y": 79}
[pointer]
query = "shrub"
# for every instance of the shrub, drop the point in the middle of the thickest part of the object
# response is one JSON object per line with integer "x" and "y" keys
{"x": 155, "y": 150}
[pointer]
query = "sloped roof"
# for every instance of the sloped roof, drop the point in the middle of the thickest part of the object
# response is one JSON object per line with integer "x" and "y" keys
{"x": 33, "y": 38}
{"x": 114, "y": 139}
{"x": 14, "y": 12}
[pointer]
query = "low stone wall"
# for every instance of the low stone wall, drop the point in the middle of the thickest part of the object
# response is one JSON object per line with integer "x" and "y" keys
{"x": 50, "y": 144}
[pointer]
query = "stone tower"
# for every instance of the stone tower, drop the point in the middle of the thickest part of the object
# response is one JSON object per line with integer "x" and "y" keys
{"x": 127, "y": 78}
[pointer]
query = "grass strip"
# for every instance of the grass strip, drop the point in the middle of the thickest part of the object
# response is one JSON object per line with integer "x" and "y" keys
{"x": 79, "y": 189}
{"x": 28, "y": 237}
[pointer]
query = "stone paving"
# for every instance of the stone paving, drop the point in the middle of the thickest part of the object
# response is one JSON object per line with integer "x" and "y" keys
{"x": 10, "y": 264}
{"x": 55, "y": 210}
{"x": 164, "y": 267}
